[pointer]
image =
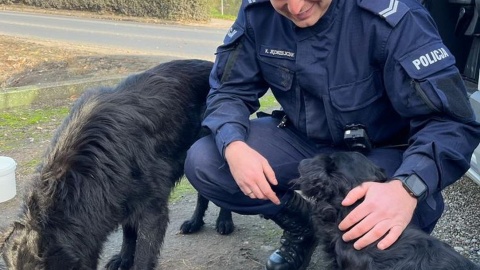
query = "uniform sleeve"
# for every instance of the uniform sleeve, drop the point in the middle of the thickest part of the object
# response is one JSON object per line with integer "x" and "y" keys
{"x": 425, "y": 87}
{"x": 236, "y": 85}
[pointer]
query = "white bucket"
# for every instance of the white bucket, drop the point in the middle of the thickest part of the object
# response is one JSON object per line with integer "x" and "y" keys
{"x": 8, "y": 188}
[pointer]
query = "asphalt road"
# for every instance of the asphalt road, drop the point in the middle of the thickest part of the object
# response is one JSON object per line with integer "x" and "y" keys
{"x": 154, "y": 39}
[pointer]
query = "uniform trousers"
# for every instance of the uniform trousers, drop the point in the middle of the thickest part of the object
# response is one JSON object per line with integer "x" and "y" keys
{"x": 284, "y": 148}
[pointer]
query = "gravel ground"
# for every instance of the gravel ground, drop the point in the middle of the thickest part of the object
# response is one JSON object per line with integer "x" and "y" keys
{"x": 460, "y": 223}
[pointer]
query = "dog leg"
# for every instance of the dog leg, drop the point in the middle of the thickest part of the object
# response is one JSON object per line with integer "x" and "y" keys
{"x": 152, "y": 226}
{"x": 124, "y": 260}
{"x": 195, "y": 223}
{"x": 225, "y": 222}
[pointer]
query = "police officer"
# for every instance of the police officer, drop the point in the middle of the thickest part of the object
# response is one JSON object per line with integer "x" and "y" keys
{"x": 373, "y": 68}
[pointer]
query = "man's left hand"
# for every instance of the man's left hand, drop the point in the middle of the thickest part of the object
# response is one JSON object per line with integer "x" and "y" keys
{"x": 387, "y": 209}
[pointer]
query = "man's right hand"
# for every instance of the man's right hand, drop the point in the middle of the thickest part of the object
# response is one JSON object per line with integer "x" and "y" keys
{"x": 251, "y": 171}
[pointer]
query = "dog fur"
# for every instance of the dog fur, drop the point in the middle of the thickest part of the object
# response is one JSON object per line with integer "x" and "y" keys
{"x": 114, "y": 160}
{"x": 326, "y": 179}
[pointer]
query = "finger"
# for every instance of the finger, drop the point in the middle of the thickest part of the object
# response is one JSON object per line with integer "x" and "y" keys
{"x": 358, "y": 230}
{"x": 270, "y": 194}
{"x": 261, "y": 189}
{"x": 256, "y": 193}
{"x": 358, "y": 214}
{"x": 245, "y": 189}
{"x": 265, "y": 192}
{"x": 390, "y": 238}
{"x": 355, "y": 194}
{"x": 269, "y": 174}
{"x": 273, "y": 197}
{"x": 373, "y": 234}
{"x": 249, "y": 189}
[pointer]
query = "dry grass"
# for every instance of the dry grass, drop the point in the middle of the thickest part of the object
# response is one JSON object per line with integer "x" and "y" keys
{"x": 19, "y": 55}
{"x": 33, "y": 62}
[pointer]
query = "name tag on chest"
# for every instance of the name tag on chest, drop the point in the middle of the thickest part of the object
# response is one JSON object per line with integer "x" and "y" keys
{"x": 277, "y": 52}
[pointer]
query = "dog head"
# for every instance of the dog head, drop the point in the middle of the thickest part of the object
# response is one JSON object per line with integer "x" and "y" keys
{"x": 329, "y": 177}
{"x": 19, "y": 251}
{"x": 20, "y": 242}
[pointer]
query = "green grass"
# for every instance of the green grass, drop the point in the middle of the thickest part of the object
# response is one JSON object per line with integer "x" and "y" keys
{"x": 34, "y": 162}
{"x": 181, "y": 190}
{"x": 19, "y": 125}
{"x": 268, "y": 101}
{"x": 230, "y": 10}
{"x": 21, "y": 118}
{"x": 215, "y": 14}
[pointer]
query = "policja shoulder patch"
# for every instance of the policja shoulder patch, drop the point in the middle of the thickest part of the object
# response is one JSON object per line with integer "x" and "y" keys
{"x": 437, "y": 81}
{"x": 427, "y": 60}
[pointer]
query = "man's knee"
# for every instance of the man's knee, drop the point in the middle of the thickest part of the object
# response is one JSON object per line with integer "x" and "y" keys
{"x": 202, "y": 155}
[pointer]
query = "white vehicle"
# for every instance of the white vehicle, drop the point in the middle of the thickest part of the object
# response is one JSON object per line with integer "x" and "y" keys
{"x": 458, "y": 22}
{"x": 474, "y": 172}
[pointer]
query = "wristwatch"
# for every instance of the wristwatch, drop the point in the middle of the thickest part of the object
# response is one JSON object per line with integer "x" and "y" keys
{"x": 414, "y": 185}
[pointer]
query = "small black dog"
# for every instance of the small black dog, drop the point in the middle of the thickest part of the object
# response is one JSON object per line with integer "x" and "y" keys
{"x": 327, "y": 179}
{"x": 114, "y": 160}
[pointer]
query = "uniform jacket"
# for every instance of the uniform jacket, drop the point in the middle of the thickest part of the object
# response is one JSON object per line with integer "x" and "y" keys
{"x": 379, "y": 63}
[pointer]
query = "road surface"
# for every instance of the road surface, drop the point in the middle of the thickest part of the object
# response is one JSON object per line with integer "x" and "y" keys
{"x": 184, "y": 41}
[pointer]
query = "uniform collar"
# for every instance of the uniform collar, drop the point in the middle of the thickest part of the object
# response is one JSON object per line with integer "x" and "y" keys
{"x": 322, "y": 24}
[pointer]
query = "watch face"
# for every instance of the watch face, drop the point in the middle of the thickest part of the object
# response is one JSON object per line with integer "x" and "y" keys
{"x": 416, "y": 185}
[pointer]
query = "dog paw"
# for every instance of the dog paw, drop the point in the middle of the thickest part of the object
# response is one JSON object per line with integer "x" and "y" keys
{"x": 116, "y": 262}
{"x": 191, "y": 226}
{"x": 224, "y": 226}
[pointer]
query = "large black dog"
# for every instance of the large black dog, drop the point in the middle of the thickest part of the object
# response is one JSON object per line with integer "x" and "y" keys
{"x": 114, "y": 160}
{"x": 326, "y": 179}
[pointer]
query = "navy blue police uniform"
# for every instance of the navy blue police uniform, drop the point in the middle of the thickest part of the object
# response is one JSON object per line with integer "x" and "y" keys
{"x": 376, "y": 63}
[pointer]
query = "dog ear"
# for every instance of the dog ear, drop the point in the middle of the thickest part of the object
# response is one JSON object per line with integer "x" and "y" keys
{"x": 317, "y": 178}
{"x": 319, "y": 163}
{"x": 324, "y": 212}
{"x": 357, "y": 168}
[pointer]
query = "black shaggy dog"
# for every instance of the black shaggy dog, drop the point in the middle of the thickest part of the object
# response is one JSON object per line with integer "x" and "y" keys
{"x": 327, "y": 179}
{"x": 114, "y": 160}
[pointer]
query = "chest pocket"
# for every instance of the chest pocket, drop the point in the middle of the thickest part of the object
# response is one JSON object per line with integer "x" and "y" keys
{"x": 361, "y": 102}
{"x": 355, "y": 96}
{"x": 277, "y": 74}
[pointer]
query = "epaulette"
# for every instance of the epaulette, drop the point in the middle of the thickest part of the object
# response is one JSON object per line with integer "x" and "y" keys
{"x": 391, "y": 10}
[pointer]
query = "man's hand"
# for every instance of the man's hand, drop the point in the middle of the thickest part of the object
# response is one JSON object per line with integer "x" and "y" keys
{"x": 251, "y": 171}
{"x": 387, "y": 209}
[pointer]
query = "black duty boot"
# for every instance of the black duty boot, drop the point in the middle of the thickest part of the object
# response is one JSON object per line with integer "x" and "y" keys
{"x": 298, "y": 241}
